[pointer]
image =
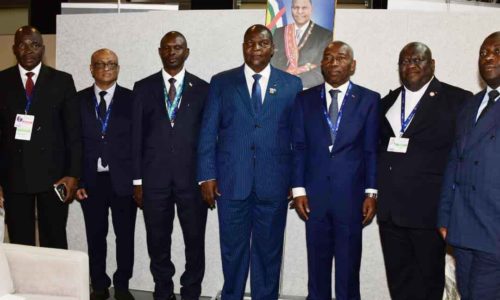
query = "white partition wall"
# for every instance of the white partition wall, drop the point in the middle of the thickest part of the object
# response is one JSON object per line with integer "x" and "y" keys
{"x": 214, "y": 38}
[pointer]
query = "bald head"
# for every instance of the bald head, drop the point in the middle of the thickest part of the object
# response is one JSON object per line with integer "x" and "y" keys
{"x": 103, "y": 52}
{"x": 340, "y": 44}
{"x": 28, "y": 47}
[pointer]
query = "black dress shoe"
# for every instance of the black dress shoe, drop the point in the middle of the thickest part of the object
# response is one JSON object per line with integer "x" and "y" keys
{"x": 123, "y": 295}
{"x": 99, "y": 294}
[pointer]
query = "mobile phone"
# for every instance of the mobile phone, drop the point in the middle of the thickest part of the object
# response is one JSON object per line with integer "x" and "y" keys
{"x": 60, "y": 190}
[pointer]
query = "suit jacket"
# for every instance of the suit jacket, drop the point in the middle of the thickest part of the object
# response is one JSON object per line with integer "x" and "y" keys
{"x": 410, "y": 183}
{"x": 117, "y": 145}
{"x": 311, "y": 52}
{"x": 244, "y": 150}
{"x": 470, "y": 199}
{"x": 342, "y": 175}
{"x": 165, "y": 156}
{"x": 54, "y": 150}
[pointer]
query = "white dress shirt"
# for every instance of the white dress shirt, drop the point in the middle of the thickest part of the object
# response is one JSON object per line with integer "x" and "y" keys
{"x": 485, "y": 100}
{"x": 35, "y": 71}
{"x": 301, "y": 191}
{"x": 393, "y": 115}
{"x": 107, "y": 98}
{"x": 266, "y": 73}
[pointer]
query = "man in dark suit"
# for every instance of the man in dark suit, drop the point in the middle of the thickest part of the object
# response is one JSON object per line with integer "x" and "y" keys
{"x": 106, "y": 183}
{"x": 335, "y": 132}
{"x": 299, "y": 46}
{"x": 40, "y": 143}
{"x": 244, "y": 160}
{"x": 168, "y": 108}
{"x": 418, "y": 123}
{"x": 469, "y": 211}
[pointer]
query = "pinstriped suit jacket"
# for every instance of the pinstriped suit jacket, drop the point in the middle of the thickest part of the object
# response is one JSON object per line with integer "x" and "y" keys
{"x": 243, "y": 150}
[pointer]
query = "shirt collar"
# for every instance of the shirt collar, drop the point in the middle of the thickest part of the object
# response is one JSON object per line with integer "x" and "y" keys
{"x": 489, "y": 89}
{"x": 265, "y": 73}
{"x": 342, "y": 88}
{"x": 303, "y": 27}
{"x": 421, "y": 90}
{"x": 110, "y": 91}
{"x": 36, "y": 70}
{"x": 179, "y": 77}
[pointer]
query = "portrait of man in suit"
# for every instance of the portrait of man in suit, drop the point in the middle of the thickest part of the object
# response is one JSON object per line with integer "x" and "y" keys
{"x": 334, "y": 134}
{"x": 40, "y": 144}
{"x": 299, "y": 45}
{"x": 244, "y": 164}
{"x": 106, "y": 182}
{"x": 416, "y": 135}
{"x": 168, "y": 108}
{"x": 469, "y": 210}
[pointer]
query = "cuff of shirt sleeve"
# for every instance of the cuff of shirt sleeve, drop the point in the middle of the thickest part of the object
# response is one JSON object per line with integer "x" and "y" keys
{"x": 371, "y": 191}
{"x": 298, "y": 191}
{"x": 137, "y": 182}
{"x": 200, "y": 182}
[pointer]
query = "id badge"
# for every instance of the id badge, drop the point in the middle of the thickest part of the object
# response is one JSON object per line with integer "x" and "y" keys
{"x": 398, "y": 144}
{"x": 24, "y": 127}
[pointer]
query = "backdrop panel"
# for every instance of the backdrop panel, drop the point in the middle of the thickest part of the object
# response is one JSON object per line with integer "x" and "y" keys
{"x": 215, "y": 38}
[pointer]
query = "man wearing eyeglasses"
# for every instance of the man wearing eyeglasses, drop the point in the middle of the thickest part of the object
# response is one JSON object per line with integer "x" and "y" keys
{"x": 244, "y": 164}
{"x": 106, "y": 183}
{"x": 40, "y": 144}
{"x": 416, "y": 135}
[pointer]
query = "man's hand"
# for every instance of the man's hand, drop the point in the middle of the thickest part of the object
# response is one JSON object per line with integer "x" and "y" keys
{"x": 81, "y": 194}
{"x": 138, "y": 196}
{"x": 2, "y": 200}
{"x": 369, "y": 209}
{"x": 71, "y": 184}
{"x": 301, "y": 205}
{"x": 208, "y": 192}
{"x": 443, "y": 231}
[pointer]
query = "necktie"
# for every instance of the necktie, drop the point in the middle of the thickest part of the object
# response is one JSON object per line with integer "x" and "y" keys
{"x": 101, "y": 110}
{"x": 297, "y": 36}
{"x": 333, "y": 111}
{"x": 172, "y": 92}
{"x": 493, "y": 94}
{"x": 256, "y": 93}
{"x": 29, "y": 85}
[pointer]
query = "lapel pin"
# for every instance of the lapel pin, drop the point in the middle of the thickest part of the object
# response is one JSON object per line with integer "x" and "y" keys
{"x": 272, "y": 91}
{"x": 190, "y": 84}
{"x": 432, "y": 94}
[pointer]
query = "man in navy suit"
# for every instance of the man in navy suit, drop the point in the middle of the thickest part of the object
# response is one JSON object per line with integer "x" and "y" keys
{"x": 244, "y": 160}
{"x": 168, "y": 108}
{"x": 106, "y": 113}
{"x": 335, "y": 133}
{"x": 469, "y": 211}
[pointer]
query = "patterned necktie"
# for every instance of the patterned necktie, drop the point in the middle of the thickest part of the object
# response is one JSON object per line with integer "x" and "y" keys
{"x": 172, "y": 92}
{"x": 256, "y": 93}
{"x": 333, "y": 111}
{"x": 297, "y": 36}
{"x": 493, "y": 94}
{"x": 29, "y": 84}
{"x": 101, "y": 110}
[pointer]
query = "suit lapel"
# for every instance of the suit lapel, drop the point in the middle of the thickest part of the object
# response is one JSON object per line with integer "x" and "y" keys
{"x": 18, "y": 99}
{"x": 90, "y": 111}
{"x": 425, "y": 108}
{"x": 487, "y": 122}
{"x": 159, "y": 95}
{"x": 271, "y": 90}
{"x": 242, "y": 89}
{"x": 386, "y": 105}
{"x": 41, "y": 86}
{"x": 187, "y": 98}
{"x": 352, "y": 101}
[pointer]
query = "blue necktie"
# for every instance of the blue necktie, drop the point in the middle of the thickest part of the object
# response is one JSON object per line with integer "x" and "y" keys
{"x": 256, "y": 93}
{"x": 333, "y": 111}
{"x": 492, "y": 95}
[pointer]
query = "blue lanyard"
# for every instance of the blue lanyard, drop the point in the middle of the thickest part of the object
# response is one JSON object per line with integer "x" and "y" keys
{"x": 28, "y": 104}
{"x": 172, "y": 108}
{"x": 335, "y": 128}
{"x": 105, "y": 122}
{"x": 405, "y": 123}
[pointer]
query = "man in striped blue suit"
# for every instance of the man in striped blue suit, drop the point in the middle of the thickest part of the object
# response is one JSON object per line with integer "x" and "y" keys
{"x": 244, "y": 162}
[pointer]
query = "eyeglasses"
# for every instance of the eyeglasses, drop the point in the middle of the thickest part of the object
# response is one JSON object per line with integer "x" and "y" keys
{"x": 109, "y": 65}
{"x": 262, "y": 44}
{"x": 408, "y": 61}
{"x": 32, "y": 46}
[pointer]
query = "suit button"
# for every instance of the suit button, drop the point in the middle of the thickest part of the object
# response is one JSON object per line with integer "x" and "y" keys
{"x": 257, "y": 126}
{"x": 390, "y": 168}
{"x": 476, "y": 162}
{"x": 461, "y": 158}
{"x": 328, "y": 177}
{"x": 492, "y": 137}
{"x": 473, "y": 187}
{"x": 42, "y": 149}
{"x": 19, "y": 150}
{"x": 252, "y": 147}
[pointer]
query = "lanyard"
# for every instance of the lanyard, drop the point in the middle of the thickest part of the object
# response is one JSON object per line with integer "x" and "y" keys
{"x": 335, "y": 128}
{"x": 105, "y": 122}
{"x": 173, "y": 107}
{"x": 405, "y": 123}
